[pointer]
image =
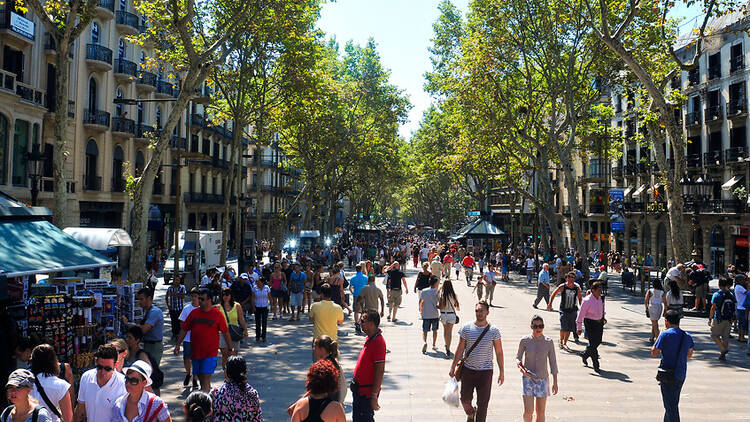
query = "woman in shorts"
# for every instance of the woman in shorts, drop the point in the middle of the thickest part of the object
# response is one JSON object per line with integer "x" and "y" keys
{"x": 654, "y": 307}
{"x": 535, "y": 351}
{"x": 307, "y": 291}
{"x": 448, "y": 305}
{"x": 278, "y": 284}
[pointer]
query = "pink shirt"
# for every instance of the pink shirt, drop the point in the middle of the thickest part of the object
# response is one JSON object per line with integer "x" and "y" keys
{"x": 591, "y": 308}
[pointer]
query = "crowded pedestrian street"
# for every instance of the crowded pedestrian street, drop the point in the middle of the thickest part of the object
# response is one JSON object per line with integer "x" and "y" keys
{"x": 625, "y": 390}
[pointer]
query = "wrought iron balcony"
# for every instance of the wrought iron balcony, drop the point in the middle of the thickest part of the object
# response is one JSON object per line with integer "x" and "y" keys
{"x": 693, "y": 160}
{"x": 146, "y": 80}
{"x": 126, "y": 21}
{"x": 712, "y": 158}
{"x": 693, "y": 118}
{"x": 96, "y": 118}
{"x": 142, "y": 131}
{"x": 734, "y": 154}
{"x": 713, "y": 113}
{"x": 736, "y": 106}
{"x": 99, "y": 57}
{"x": 123, "y": 126}
{"x": 165, "y": 88}
{"x": 125, "y": 68}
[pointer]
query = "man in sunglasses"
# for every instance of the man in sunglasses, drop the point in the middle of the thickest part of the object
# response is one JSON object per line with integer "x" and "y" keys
{"x": 570, "y": 295}
{"x": 100, "y": 387}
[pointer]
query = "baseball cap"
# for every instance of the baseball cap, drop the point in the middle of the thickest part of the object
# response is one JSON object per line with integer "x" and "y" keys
{"x": 21, "y": 378}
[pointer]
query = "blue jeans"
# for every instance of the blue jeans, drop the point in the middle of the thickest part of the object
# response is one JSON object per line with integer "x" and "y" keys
{"x": 362, "y": 409}
{"x": 670, "y": 395}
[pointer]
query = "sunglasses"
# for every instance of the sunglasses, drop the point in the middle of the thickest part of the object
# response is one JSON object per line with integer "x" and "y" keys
{"x": 201, "y": 299}
{"x": 537, "y": 326}
{"x": 132, "y": 380}
{"x": 104, "y": 368}
{"x": 480, "y": 311}
{"x": 226, "y": 294}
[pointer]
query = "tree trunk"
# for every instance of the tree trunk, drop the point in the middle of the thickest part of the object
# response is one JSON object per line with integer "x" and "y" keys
{"x": 62, "y": 78}
{"x": 236, "y": 138}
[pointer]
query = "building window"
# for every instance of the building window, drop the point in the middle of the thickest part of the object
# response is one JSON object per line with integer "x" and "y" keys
{"x": 143, "y": 58}
{"x": 119, "y": 107}
{"x": 3, "y": 148}
{"x": 92, "y": 153}
{"x": 140, "y": 113}
{"x": 117, "y": 177}
{"x": 140, "y": 163}
{"x": 20, "y": 148}
{"x": 92, "y": 94}
{"x": 121, "y": 49}
{"x": 158, "y": 117}
{"x": 95, "y": 33}
{"x": 203, "y": 183}
{"x": 123, "y": 4}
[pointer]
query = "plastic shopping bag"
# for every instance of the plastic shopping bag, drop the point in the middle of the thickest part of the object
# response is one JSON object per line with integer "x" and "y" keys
{"x": 450, "y": 393}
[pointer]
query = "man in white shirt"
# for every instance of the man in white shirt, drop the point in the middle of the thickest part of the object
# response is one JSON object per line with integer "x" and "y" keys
{"x": 100, "y": 387}
{"x": 530, "y": 269}
{"x": 186, "y": 350}
{"x": 489, "y": 283}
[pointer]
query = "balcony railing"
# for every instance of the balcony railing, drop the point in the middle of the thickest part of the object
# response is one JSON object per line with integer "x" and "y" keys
{"x": 713, "y": 113}
{"x": 118, "y": 184}
{"x": 736, "y": 106}
{"x": 142, "y": 130}
{"x": 91, "y": 182}
{"x": 126, "y": 18}
{"x": 693, "y": 118}
{"x": 165, "y": 88}
{"x": 123, "y": 125}
{"x": 712, "y": 158}
{"x": 734, "y": 154}
{"x": 99, "y": 53}
{"x": 126, "y": 67}
{"x": 736, "y": 63}
{"x": 206, "y": 198}
{"x": 107, "y": 4}
{"x": 146, "y": 78}
{"x": 726, "y": 206}
{"x": 693, "y": 160}
{"x": 29, "y": 94}
{"x": 95, "y": 117}
{"x": 178, "y": 142}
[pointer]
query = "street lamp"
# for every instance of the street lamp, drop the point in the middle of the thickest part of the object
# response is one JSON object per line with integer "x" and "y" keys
{"x": 36, "y": 159}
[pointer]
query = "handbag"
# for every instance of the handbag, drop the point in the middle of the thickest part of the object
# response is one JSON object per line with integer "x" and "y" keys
{"x": 235, "y": 331}
{"x": 667, "y": 375}
{"x": 460, "y": 365}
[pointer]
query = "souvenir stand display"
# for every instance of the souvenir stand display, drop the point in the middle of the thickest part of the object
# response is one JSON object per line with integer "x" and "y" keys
{"x": 75, "y": 314}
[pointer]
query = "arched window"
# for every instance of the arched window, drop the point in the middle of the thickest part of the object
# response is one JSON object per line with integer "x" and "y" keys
{"x": 118, "y": 182}
{"x": 121, "y": 49}
{"x": 140, "y": 163}
{"x": 119, "y": 107}
{"x": 140, "y": 113}
{"x": 158, "y": 117}
{"x": 90, "y": 181}
{"x": 20, "y": 148}
{"x": 143, "y": 58}
{"x": 3, "y": 149}
{"x": 92, "y": 94}
{"x": 94, "y": 33}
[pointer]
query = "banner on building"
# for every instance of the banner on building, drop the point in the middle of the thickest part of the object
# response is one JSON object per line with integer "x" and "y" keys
{"x": 617, "y": 209}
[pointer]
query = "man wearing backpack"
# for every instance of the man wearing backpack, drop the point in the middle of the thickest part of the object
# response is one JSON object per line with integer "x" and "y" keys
{"x": 723, "y": 311}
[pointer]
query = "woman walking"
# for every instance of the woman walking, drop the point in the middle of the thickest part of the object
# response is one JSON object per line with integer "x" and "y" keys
{"x": 654, "y": 308}
{"x": 236, "y": 399}
{"x": 535, "y": 351}
{"x": 322, "y": 380}
{"x": 197, "y": 407}
{"x": 278, "y": 284}
{"x": 673, "y": 297}
{"x": 448, "y": 305}
{"x": 56, "y": 397}
{"x": 261, "y": 294}
{"x": 328, "y": 349}
{"x": 337, "y": 288}
{"x": 235, "y": 316}
{"x": 423, "y": 278}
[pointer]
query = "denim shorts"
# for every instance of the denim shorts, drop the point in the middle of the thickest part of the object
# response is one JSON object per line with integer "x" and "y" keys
{"x": 430, "y": 324}
{"x": 186, "y": 350}
{"x": 741, "y": 320}
{"x": 204, "y": 366}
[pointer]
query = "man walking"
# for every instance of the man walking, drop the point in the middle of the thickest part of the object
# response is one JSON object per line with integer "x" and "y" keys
{"x": 100, "y": 387}
{"x": 723, "y": 311}
{"x": 369, "y": 297}
{"x": 326, "y": 316}
{"x": 205, "y": 325}
{"x": 175, "y": 297}
{"x": 242, "y": 292}
{"x": 356, "y": 284}
{"x": 447, "y": 263}
{"x": 152, "y": 324}
{"x": 478, "y": 368}
{"x": 542, "y": 287}
{"x": 186, "y": 349}
{"x": 428, "y": 308}
{"x": 592, "y": 315}
{"x": 530, "y": 268}
{"x": 396, "y": 278}
{"x": 296, "y": 286}
{"x": 675, "y": 347}
{"x": 489, "y": 283}
{"x": 368, "y": 373}
{"x": 569, "y": 301}
{"x": 468, "y": 263}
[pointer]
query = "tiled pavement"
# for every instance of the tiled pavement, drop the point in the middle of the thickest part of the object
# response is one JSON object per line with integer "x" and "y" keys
{"x": 625, "y": 390}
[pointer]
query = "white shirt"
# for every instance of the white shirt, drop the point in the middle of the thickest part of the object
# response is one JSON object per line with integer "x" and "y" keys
{"x": 424, "y": 253}
{"x": 184, "y": 314}
{"x": 118, "y": 413}
{"x": 740, "y": 293}
{"x": 673, "y": 273}
{"x": 100, "y": 401}
{"x": 529, "y": 262}
{"x": 55, "y": 389}
{"x": 489, "y": 277}
{"x": 205, "y": 280}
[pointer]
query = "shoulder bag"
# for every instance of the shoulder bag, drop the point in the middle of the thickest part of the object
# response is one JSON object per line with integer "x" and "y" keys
{"x": 460, "y": 365}
{"x": 46, "y": 399}
{"x": 666, "y": 375}
{"x": 235, "y": 331}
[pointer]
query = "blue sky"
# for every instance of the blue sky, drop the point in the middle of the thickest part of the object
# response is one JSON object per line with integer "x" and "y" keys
{"x": 402, "y": 30}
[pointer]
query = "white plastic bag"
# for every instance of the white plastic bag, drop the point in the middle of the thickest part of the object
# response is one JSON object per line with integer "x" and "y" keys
{"x": 450, "y": 393}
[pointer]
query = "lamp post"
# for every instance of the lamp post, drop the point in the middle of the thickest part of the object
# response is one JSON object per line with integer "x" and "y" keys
{"x": 36, "y": 159}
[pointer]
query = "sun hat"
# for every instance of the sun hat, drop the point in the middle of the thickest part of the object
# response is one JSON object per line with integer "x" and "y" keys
{"x": 142, "y": 368}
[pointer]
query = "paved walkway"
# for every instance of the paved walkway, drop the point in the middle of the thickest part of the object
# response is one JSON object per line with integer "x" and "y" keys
{"x": 625, "y": 390}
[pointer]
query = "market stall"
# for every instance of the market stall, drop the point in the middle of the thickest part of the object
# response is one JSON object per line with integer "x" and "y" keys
{"x": 56, "y": 289}
{"x": 479, "y": 235}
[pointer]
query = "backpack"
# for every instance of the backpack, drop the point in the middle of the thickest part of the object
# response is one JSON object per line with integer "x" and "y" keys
{"x": 727, "y": 309}
{"x": 5, "y": 417}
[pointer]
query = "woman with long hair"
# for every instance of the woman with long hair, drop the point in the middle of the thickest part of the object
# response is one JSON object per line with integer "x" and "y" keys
{"x": 673, "y": 298}
{"x": 448, "y": 305}
{"x": 423, "y": 278}
{"x": 278, "y": 284}
{"x": 315, "y": 405}
{"x": 236, "y": 399}
{"x": 234, "y": 315}
{"x": 46, "y": 369}
{"x": 327, "y": 348}
{"x": 654, "y": 307}
{"x": 197, "y": 407}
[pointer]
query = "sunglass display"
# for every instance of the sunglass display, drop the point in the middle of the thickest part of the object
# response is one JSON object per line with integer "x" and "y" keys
{"x": 104, "y": 368}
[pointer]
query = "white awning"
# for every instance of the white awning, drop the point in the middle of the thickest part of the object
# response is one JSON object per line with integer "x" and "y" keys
{"x": 732, "y": 182}
{"x": 656, "y": 187}
{"x": 628, "y": 191}
{"x": 639, "y": 191}
{"x": 99, "y": 239}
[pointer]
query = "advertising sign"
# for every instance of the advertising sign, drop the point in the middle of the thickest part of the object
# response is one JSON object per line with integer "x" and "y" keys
{"x": 617, "y": 209}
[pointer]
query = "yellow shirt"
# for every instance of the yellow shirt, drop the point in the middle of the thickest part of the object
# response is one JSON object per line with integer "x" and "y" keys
{"x": 326, "y": 315}
{"x": 233, "y": 316}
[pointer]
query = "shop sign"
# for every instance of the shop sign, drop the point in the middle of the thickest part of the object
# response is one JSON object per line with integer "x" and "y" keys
{"x": 741, "y": 242}
{"x": 586, "y": 236}
{"x": 595, "y": 236}
{"x": 22, "y": 25}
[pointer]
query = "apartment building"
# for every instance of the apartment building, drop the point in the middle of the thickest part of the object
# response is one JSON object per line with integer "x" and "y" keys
{"x": 107, "y": 141}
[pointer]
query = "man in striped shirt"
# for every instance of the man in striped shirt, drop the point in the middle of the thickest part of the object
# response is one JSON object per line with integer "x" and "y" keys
{"x": 175, "y": 300}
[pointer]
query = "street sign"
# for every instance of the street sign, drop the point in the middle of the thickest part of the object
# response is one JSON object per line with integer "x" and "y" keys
{"x": 473, "y": 213}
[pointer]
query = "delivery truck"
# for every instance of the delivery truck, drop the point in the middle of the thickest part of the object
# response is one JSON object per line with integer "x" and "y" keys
{"x": 209, "y": 254}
